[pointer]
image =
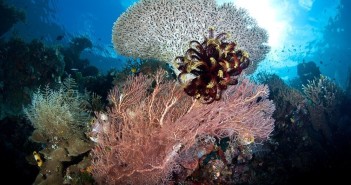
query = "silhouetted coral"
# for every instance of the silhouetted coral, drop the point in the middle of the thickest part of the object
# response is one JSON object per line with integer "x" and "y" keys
{"x": 284, "y": 97}
{"x": 26, "y": 66}
{"x": 78, "y": 44}
{"x": 9, "y": 16}
{"x": 73, "y": 62}
{"x": 324, "y": 98}
{"x": 307, "y": 71}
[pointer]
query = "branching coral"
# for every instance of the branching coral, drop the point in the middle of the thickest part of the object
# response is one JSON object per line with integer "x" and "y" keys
{"x": 152, "y": 123}
{"x": 323, "y": 92}
{"x": 59, "y": 119}
{"x": 58, "y": 113}
{"x": 162, "y": 29}
{"x": 324, "y": 97}
{"x": 212, "y": 66}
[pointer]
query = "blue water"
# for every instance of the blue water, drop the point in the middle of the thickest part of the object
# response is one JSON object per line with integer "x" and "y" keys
{"x": 300, "y": 30}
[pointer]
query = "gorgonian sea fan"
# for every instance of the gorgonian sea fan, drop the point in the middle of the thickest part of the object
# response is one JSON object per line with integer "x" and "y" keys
{"x": 207, "y": 68}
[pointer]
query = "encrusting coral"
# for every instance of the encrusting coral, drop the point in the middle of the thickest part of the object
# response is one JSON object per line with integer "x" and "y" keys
{"x": 162, "y": 30}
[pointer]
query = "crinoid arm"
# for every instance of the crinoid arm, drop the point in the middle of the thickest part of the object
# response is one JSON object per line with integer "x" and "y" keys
{"x": 211, "y": 65}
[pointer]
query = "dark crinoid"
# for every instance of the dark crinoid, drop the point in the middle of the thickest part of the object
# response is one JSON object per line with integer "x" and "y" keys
{"x": 207, "y": 68}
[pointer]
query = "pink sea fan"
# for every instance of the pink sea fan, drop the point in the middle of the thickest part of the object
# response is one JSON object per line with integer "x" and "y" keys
{"x": 140, "y": 139}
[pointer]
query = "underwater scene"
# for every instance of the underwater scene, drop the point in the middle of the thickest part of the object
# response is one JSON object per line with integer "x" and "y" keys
{"x": 175, "y": 92}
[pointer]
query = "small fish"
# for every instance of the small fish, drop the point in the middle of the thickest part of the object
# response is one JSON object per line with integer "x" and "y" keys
{"x": 59, "y": 37}
{"x": 59, "y": 80}
{"x": 38, "y": 159}
{"x": 112, "y": 73}
{"x": 292, "y": 120}
{"x": 74, "y": 69}
{"x": 133, "y": 70}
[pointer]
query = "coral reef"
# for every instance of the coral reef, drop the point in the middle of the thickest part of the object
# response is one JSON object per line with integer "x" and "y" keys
{"x": 58, "y": 138}
{"x": 135, "y": 67}
{"x": 60, "y": 122}
{"x": 78, "y": 44}
{"x": 217, "y": 162}
{"x": 285, "y": 97}
{"x": 152, "y": 123}
{"x": 14, "y": 144}
{"x": 323, "y": 92}
{"x": 162, "y": 29}
{"x": 9, "y": 16}
{"x": 87, "y": 76}
{"x": 212, "y": 66}
{"x": 26, "y": 66}
{"x": 309, "y": 140}
{"x": 307, "y": 71}
{"x": 324, "y": 97}
{"x": 72, "y": 55}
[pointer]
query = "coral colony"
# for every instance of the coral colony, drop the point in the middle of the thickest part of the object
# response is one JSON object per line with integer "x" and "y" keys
{"x": 181, "y": 111}
{"x": 156, "y": 130}
{"x": 154, "y": 133}
{"x": 162, "y": 30}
